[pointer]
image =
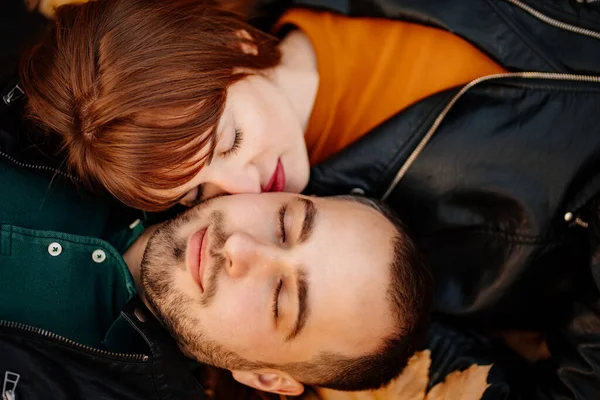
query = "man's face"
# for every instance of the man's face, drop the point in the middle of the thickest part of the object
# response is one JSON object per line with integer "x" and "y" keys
{"x": 274, "y": 278}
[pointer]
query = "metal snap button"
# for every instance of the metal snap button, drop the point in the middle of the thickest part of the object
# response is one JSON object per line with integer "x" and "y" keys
{"x": 568, "y": 216}
{"x": 54, "y": 249}
{"x": 98, "y": 256}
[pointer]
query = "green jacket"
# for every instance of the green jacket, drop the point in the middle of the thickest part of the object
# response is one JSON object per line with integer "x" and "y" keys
{"x": 60, "y": 249}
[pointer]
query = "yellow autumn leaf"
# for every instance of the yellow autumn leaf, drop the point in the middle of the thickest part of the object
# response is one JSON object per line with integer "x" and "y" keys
{"x": 412, "y": 384}
{"x": 530, "y": 345}
{"x": 462, "y": 385}
{"x": 47, "y": 7}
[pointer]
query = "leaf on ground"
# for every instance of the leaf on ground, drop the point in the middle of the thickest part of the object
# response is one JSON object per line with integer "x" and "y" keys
{"x": 31, "y": 4}
{"x": 47, "y": 7}
{"x": 410, "y": 385}
{"x": 462, "y": 385}
{"x": 532, "y": 346}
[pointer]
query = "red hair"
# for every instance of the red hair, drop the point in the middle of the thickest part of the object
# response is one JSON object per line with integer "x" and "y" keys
{"x": 135, "y": 89}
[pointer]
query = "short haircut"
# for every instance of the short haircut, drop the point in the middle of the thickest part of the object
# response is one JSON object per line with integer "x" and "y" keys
{"x": 410, "y": 294}
{"x": 131, "y": 87}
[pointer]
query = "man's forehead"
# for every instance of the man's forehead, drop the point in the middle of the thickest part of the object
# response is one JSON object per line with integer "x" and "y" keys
{"x": 351, "y": 313}
{"x": 353, "y": 259}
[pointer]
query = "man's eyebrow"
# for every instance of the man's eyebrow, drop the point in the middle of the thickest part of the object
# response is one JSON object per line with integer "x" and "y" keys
{"x": 303, "y": 310}
{"x": 308, "y": 224}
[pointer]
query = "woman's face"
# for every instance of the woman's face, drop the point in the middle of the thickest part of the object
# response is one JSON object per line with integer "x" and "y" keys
{"x": 259, "y": 146}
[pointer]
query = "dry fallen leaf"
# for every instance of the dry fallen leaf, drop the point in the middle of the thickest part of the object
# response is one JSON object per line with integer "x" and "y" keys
{"x": 462, "y": 385}
{"x": 47, "y": 7}
{"x": 412, "y": 384}
{"x": 532, "y": 346}
{"x": 310, "y": 395}
{"x": 31, "y": 4}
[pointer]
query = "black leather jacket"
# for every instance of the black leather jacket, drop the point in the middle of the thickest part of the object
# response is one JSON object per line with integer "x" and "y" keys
{"x": 36, "y": 364}
{"x": 499, "y": 179}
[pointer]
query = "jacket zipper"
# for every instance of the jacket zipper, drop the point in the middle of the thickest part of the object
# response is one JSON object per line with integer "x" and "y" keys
{"x": 556, "y": 23}
{"x": 577, "y": 221}
{"x": 438, "y": 121}
{"x": 38, "y": 167}
{"x": 73, "y": 344}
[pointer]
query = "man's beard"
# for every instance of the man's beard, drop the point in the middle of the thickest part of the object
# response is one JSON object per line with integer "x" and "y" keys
{"x": 164, "y": 255}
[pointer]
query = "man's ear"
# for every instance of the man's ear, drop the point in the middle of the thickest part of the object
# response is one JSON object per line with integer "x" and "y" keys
{"x": 248, "y": 46}
{"x": 270, "y": 380}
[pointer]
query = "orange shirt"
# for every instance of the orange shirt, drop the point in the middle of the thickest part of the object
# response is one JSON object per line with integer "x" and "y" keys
{"x": 370, "y": 69}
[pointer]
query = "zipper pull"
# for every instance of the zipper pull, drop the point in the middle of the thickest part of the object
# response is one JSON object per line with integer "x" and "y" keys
{"x": 577, "y": 221}
{"x": 11, "y": 379}
{"x": 15, "y": 94}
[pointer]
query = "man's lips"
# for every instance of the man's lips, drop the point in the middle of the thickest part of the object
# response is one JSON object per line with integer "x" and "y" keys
{"x": 194, "y": 256}
{"x": 277, "y": 182}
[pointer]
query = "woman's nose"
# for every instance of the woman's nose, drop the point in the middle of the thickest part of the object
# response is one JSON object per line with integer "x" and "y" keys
{"x": 246, "y": 180}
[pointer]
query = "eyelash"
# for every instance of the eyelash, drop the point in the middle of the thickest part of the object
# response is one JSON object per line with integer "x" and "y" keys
{"x": 282, "y": 211}
{"x": 237, "y": 142}
{"x": 276, "y": 299}
{"x": 198, "y": 197}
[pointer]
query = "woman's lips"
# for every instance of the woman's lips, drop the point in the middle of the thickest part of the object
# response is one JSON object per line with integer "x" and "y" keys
{"x": 277, "y": 182}
{"x": 194, "y": 257}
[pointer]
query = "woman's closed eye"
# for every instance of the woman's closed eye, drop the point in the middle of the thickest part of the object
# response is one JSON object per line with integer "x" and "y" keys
{"x": 192, "y": 197}
{"x": 235, "y": 146}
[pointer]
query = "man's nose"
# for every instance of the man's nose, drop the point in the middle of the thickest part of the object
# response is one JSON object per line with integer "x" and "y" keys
{"x": 245, "y": 254}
